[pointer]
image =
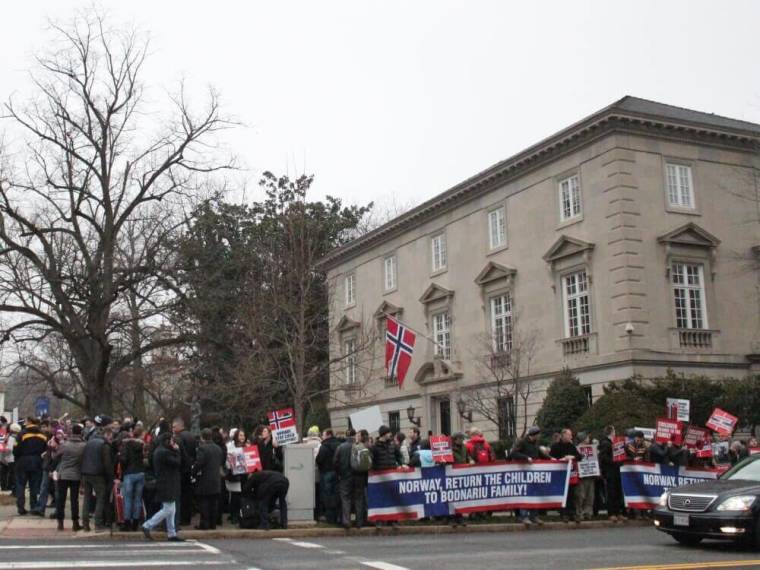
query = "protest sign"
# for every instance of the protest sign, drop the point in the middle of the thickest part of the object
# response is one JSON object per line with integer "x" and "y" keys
{"x": 678, "y": 409}
{"x": 252, "y": 459}
{"x": 668, "y": 430}
{"x": 412, "y": 493}
{"x": 588, "y": 466}
{"x": 236, "y": 460}
{"x": 369, "y": 418}
{"x": 696, "y": 436}
{"x": 282, "y": 424}
{"x": 618, "y": 449}
{"x": 644, "y": 483}
{"x": 720, "y": 452}
{"x": 722, "y": 422}
{"x": 440, "y": 445}
{"x": 649, "y": 433}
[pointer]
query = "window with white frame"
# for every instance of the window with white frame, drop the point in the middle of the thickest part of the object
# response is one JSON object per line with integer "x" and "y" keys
{"x": 389, "y": 273}
{"x": 497, "y": 228}
{"x": 350, "y": 289}
{"x": 680, "y": 188}
{"x": 570, "y": 198}
{"x": 442, "y": 335}
{"x": 349, "y": 355}
{"x": 438, "y": 246}
{"x": 501, "y": 323}
{"x": 577, "y": 304}
{"x": 689, "y": 295}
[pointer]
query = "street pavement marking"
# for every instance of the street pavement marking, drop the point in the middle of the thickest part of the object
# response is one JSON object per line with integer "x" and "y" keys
{"x": 107, "y": 564}
{"x": 100, "y": 545}
{"x": 384, "y": 566}
{"x": 688, "y": 565}
{"x": 206, "y": 547}
{"x": 307, "y": 544}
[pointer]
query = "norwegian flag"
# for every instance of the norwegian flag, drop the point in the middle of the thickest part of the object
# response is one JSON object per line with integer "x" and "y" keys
{"x": 399, "y": 347}
{"x": 281, "y": 419}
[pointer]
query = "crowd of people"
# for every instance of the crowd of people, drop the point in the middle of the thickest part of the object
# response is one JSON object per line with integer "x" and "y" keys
{"x": 142, "y": 477}
{"x": 137, "y": 477}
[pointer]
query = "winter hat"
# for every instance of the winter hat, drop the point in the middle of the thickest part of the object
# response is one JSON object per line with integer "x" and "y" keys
{"x": 383, "y": 430}
{"x": 313, "y": 430}
{"x": 15, "y": 428}
{"x": 535, "y": 430}
{"x": 582, "y": 435}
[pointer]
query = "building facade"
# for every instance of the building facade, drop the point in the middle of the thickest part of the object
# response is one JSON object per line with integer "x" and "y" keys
{"x": 626, "y": 244}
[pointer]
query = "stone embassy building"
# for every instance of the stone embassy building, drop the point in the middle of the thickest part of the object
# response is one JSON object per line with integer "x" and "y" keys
{"x": 621, "y": 245}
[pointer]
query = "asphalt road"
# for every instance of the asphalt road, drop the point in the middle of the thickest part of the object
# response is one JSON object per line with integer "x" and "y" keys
{"x": 616, "y": 548}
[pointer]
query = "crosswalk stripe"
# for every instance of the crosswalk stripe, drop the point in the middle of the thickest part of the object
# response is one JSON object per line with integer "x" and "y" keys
{"x": 107, "y": 564}
{"x": 384, "y": 565}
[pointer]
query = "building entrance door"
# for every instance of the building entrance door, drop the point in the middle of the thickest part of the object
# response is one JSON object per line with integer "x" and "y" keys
{"x": 444, "y": 416}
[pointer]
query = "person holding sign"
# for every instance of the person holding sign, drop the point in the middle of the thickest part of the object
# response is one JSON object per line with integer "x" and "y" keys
{"x": 565, "y": 450}
{"x": 588, "y": 472}
{"x": 269, "y": 450}
{"x": 611, "y": 454}
{"x": 235, "y": 470}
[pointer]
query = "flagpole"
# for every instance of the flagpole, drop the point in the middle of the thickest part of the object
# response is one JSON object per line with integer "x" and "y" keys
{"x": 420, "y": 333}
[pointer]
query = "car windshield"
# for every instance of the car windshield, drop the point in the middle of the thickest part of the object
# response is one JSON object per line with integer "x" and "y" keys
{"x": 748, "y": 470}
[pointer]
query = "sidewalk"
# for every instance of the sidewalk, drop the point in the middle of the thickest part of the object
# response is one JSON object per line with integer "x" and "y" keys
{"x": 13, "y": 526}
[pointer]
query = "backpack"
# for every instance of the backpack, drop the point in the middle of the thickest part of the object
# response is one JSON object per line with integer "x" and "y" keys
{"x": 361, "y": 458}
{"x": 481, "y": 453}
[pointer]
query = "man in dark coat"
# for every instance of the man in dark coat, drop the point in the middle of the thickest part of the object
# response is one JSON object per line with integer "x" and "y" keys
{"x": 528, "y": 449}
{"x": 266, "y": 488}
{"x": 187, "y": 448}
{"x": 565, "y": 449}
{"x": 611, "y": 475}
{"x": 167, "y": 463}
{"x": 31, "y": 444}
{"x": 342, "y": 468}
{"x": 385, "y": 454}
{"x": 209, "y": 459}
{"x": 97, "y": 474}
{"x": 328, "y": 479}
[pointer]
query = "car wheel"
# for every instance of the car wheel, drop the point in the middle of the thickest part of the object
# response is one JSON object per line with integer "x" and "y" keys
{"x": 687, "y": 539}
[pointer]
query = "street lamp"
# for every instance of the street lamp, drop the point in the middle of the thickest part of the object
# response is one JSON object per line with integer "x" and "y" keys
{"x": 463, "y": 411}
{"x": 410, "y": 415}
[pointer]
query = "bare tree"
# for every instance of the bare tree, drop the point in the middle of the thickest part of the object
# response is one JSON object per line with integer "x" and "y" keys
{"x": 504, "y": 365}
{"x": 93, "y": 164}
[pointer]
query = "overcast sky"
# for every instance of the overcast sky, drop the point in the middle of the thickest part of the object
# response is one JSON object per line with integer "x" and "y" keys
{"x": 403, "y": 99}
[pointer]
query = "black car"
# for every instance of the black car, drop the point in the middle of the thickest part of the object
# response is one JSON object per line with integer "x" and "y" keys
{"x": 727, "y": 508}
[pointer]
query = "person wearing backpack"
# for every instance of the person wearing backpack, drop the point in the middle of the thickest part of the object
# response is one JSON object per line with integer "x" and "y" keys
{"x": 478, "y": 448}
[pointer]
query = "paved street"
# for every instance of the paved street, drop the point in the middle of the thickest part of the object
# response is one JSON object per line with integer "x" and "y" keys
{"x": 616, "y": 548}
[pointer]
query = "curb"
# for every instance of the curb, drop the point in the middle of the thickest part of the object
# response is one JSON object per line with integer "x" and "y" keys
{"x": 370, "y": 531}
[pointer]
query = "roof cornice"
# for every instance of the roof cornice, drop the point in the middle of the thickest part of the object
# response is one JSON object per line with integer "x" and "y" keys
{"x": 608, "y": 120}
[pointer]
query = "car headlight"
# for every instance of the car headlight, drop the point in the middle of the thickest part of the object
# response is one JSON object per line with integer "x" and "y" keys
{"x": 739, "y": 503}
{"x": 663, "y": 499}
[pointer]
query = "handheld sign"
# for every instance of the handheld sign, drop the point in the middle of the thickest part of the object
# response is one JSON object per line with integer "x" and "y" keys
{"x": 440, "y": 445}
{"x": 678, "y": 409}
{"x": 236, "y": 460}
{"x": 618, "y": 449}
{"x": 282, "y": 423}
{"x": 722, "y": 422}
{"x": 368, "y": 418}
{"x": 649, "y": 433}
{"x": 668, "y": 430}
{"x": 697, "y": 437}
{"x": 589, "y": 465}
{"x": 251, "y": 458}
